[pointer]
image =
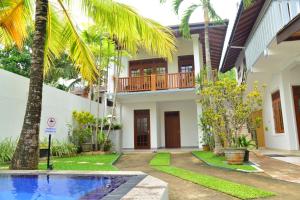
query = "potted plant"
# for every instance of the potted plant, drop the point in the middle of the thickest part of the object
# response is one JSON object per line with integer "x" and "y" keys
{"x": 206, "y": 139}
{"x": 246, "y": 143}
{"x": 44, "y": 148}
{"x": 82, "y": 133}
{"x": 230, "y": 112}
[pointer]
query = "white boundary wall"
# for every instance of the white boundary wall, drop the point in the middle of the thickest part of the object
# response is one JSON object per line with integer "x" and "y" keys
{"x": 56, "y": 103}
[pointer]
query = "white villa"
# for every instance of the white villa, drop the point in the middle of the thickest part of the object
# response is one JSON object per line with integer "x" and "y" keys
{"x": 264, "y": 46}
{"x": 157, "y": 102}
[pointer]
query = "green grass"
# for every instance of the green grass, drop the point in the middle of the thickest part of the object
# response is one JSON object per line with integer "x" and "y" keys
{"x": 221, "y": 185}
{"x": 161, "y": 159}
{"x": 220, "y": 161}
{"x": 4, "y": 166}
{"x": 80, "y": 163}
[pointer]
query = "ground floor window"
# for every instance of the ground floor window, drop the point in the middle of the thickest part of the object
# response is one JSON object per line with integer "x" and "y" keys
{"x": 277, "y": 112}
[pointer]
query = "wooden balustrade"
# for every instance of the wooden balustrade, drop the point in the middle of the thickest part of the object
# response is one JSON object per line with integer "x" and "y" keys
{"x": 156, "y": 82}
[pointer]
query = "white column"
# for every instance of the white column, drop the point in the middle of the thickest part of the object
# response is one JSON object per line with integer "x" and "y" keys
{"x": 197, "y": 53}
{"x": 200, "y": 131}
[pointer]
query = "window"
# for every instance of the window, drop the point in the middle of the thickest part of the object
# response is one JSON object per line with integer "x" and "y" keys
{"x": 186, "y": 64}
{"x": 147, "y": 67}
{"x": 135, "y": 72}
{"x": 186, "y": 69}
{"x": 160, "y": 70}
{"x": 277, "y": 112}
{"x": 147, "y": 71}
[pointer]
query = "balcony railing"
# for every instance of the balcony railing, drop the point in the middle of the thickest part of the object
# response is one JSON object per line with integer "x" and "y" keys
{"x": 156, "y": 82}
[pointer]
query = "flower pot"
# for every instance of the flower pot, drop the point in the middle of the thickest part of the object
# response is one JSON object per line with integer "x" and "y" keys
{"x": 246, "y": 157}
{"x": 43, "y": 153}
{"x": 86, "y": 147}
{"x": 235, "y": 156}
{"x": 205, "y": 147}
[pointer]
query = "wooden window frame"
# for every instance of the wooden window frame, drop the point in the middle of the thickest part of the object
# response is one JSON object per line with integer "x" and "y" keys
{"x": 277, "y": 112}
{"x": 147, "y": 63}
{"x": 186, "y": 60}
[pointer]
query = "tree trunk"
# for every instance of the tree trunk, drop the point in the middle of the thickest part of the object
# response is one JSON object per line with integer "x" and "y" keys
{"x": 207, "y": 45}
{"x": 26, "y": 156}
{"x": 218, "y": 146}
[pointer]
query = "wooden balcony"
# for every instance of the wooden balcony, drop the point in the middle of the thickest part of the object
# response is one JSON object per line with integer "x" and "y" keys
{"x": 156, "y": 82}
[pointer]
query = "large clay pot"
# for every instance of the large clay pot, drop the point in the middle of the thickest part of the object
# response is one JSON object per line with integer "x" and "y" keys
{"x": 86, "y": 147}
{"x": 43, "y": 153}
{"x": 235, "y": 156}
{"x": 205, "y": 147}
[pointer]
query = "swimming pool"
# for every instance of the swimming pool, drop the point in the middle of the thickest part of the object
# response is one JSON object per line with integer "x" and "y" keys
{"x": 58, "y": 187}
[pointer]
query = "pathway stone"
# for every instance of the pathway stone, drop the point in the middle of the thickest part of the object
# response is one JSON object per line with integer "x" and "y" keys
{"x": 277, "y": 168}
{"x": 184, "y": 190}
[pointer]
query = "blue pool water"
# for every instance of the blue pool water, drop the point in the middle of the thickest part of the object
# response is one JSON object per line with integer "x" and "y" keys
{"x": 57, "y": 187}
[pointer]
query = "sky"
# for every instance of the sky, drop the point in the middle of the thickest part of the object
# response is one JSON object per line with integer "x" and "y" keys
{"x": 164, "y": 14}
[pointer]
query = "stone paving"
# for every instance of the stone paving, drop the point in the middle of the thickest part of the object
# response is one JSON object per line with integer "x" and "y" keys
{"x": 282, "y": 168}
{"x": 184, "y": 190}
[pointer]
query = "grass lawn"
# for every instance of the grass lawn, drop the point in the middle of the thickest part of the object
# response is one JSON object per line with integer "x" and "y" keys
{"x": 220, "y": 161}
{"x": 161, "y": 159}
{"x": 221, "y": 185}
{"x": 81, "y": 163}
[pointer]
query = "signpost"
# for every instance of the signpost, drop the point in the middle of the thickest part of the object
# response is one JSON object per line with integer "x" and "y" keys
{"x": 50, "y": 129}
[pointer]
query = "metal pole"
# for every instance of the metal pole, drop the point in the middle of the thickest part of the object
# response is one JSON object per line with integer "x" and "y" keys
{"x": 49, "y": 152}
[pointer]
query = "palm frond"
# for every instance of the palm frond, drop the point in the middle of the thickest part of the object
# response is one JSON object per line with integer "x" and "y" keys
{"x": 248, "y": 3}
{"x": 185, "y": 27}
{"x": 15, "y": 16}
{"x": 131, "y": 30}
{"x": 176, "y": 5}
{"x": 79, "y": 52}
{"x": 54, "y": 46}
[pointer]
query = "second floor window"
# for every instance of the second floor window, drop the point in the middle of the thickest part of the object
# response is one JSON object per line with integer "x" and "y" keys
{"x": 277, "y": 112}
{"x": 147, "y": 67}
{"x": 186, "y": 64}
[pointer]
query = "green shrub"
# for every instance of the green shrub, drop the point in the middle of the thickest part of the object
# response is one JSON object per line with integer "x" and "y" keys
{"x": 63, "y": 149}
{"x": 106, "y": 146}
{"x": 7, "y": 148}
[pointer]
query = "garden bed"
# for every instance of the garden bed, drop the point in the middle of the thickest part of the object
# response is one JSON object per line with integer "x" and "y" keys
{"x": 228, "y": 187}
{"x": 219, "y": 161}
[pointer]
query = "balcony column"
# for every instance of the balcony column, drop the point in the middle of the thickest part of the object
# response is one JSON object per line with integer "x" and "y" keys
{"x": 197, "y": 53}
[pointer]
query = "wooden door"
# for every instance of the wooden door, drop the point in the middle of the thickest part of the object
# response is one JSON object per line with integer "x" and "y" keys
{"x": 172, "y": 130}
{"x": 296, "y": 92}
{"x": 142, "y": 129}
{"x": 260, "y": 132}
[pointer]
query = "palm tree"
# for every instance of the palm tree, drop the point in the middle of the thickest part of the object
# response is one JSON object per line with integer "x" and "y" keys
{"x": 209, "y": 15}
{"x": 56, "y": 33}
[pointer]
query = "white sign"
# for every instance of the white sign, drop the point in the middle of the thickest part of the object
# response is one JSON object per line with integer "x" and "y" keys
{"x": 51, "y": 125}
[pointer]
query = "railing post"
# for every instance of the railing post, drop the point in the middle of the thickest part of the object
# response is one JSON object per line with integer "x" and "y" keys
{"x": 153, "y": 82}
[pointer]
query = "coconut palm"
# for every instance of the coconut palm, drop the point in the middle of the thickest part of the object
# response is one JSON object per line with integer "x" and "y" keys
{"x": 56, "y": 33}
{"x": 209, "y": 15}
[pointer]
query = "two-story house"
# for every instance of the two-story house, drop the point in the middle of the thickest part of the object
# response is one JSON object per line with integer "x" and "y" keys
{"x": 264, "y": 46}
{"x": 157, "y": 101}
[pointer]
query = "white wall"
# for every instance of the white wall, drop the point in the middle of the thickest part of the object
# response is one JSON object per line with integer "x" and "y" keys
{"x": 127, "y": 121}
{"x": 184, "y": 47}
{"x": 188, "y": 121}
{"x": 282, "y": 81}
{"x": 56, "y": 103}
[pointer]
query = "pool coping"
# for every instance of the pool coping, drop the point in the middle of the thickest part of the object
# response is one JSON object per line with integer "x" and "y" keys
{"x": 141, "y": 186}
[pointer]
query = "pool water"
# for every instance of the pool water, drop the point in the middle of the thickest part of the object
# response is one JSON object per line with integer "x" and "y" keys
{"x": 58, "y": 187}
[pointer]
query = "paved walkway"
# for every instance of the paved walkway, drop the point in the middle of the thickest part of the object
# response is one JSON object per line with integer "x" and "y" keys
{"x": 279, "y": 167}
{"x": 184, "y": 190}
